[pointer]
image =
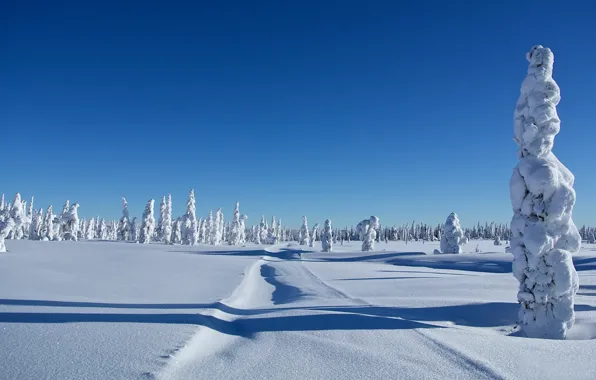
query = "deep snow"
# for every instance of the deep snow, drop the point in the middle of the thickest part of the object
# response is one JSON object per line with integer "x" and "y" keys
{"x": 99, "y": 310}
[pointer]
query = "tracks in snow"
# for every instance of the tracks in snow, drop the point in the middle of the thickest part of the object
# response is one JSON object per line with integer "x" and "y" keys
{"x": 270, "y": 285}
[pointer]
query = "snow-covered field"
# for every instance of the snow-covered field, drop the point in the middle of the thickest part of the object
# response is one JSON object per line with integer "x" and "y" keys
{"x": 114, "y": 310}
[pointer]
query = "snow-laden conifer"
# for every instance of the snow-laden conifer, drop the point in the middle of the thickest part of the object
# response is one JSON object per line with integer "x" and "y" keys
{"x": 327, "y": 238}
{"x": 148, "y": 223}
{"x": 124, "y": 227}
{"x": 452, "y": 238}
{"x": 235, "y": 230}
{"x": 368, "y": 244}
{"x": 544, "y": 237}
{"x": 304, "y": 235}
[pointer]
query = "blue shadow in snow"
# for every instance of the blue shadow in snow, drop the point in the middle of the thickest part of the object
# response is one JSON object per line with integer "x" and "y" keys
{"x": 283, "y": 293}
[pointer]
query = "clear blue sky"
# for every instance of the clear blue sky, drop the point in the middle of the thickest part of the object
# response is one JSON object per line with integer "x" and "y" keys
{"x": 336, "y": 109}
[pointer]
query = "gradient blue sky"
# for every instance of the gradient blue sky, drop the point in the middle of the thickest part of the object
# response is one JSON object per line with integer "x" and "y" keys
{"x": 336, "y": 109}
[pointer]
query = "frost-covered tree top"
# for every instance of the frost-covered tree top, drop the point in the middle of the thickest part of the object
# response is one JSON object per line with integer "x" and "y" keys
{"x": 544, "y": 236}
{"x": 452, "y": 238}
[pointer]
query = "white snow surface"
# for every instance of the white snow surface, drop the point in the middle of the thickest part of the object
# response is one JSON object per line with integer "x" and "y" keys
{"x": 119, "y": 310}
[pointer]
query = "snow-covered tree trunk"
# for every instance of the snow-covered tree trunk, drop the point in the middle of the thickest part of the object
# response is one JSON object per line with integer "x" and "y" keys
{"x": 544, "y": 237}
{"x": 236, "y": 225}
{"x": 452, "y": 239}
{"x": 148, "y": 224}
{"x": 327, "y": 237}
{"x": 368, "y": 244}
{"x": 304, "y": 236}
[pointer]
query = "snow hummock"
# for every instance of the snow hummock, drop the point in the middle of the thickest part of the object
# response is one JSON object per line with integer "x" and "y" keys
{"x": 544, "y": 237}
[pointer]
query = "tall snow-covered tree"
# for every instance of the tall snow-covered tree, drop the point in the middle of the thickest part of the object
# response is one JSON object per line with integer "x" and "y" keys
{"x": 263, "y": 233}
{"x": 242, "y": 238}
{"x": 304, "y": 236}
{"x": 35, "y": 225}
{"x": 256, "y": 236}
{"x": 190, "y": 233}
{"x": 6, "y": 226}
{"x": 63, "y": 220}
{"x": 368, "y": 244}
{"x": 452, "y": 239}
{"x": 176, "y": 232}
{"x": 327, "y": 237}
{"x": 235, "y": 231}
{"x": 90, "y": 231}
{"x": 202, "y": 223}
{"x": 124, "y": 224}
{"x": 47, "y": 230}
{"x": 313, "y": 235}
{"x": 2, "y": 206}
{"x": 217, "y": 228}
{"x": 134, "y": 229}
{"x": 209, "y": 229}
{"x": 102, "y": 230}
{"x": 544, "y": 237}
{"x": 71, "y": 225}
{"x": 148, "y": 223}
{"x": 17, "y": 214}
{"x": 166, "y": 223}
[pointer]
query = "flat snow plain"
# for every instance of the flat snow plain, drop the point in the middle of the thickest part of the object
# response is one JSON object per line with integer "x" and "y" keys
{"x": 113, "y": 310}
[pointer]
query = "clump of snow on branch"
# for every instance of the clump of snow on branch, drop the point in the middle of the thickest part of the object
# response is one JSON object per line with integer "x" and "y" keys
{"x": 544, "y": 237}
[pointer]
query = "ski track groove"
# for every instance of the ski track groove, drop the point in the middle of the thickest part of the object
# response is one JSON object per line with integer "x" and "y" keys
{"x": 317, "y": 287}
{"x": 449, "y": 352}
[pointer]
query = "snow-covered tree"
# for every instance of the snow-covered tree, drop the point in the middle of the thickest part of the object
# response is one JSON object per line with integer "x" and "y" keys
{"x": 544, "y": 237}
{"x": 190, "y": 233}
{"x": 217, "y": 228}
{"x": 304, "y": 235}
{"x": 256, "y": 236}
{"x": 209, "y": 229}
{"x": 242, "y": 238}
{"x": 124, "y": 228}
{"x": 327, "y": 238}
{"x": 202, "y": 231}
{"x": 313, "y": 235}
{"x": 134, "y": 229}
{"x": 497, "y": 240}
{"x": 17, "y": 214}
{"x": 71, "y": 224}
{"x": 263, "y": 233}
{"x": 164, "y": 228}
{"x": 148, "y": 223}
{"x": 176, "y": 232}
{"x": 452, "y": 239}
{"x": 368, "y": 244}
{"x": 2, "y": 206}
{"x": 35, "y": 226}
{"x": 236, "y": 226}
{"x": 90, "y": 231}
{"x": 6, "y": 226}
{"x": 102, "y": 230}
